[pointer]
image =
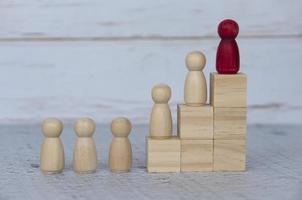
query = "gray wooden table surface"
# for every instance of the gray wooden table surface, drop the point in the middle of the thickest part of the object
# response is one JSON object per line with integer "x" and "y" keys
{"x": 274, "y": 169}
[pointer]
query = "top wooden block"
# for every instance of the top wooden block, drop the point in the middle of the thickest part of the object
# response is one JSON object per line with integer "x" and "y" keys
{"x": 228, "y": 90}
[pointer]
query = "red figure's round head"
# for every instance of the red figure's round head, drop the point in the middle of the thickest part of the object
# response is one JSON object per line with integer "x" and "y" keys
{"x": 228, "y": 29}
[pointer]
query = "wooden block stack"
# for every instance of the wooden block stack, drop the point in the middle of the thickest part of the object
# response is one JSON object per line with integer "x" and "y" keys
{"x": 195, "y": 130}
{"x": 195, "y": 119}
{"x": 228, "y": 98}
{"x": 210, "y": 137}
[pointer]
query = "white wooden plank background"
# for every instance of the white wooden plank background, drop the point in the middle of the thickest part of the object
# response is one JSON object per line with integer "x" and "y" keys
{"x": 144, "y": 18}
{"x": 100, "y": 58}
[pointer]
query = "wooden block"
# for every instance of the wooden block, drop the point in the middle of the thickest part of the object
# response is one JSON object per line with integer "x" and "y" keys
{"x": 163, "y": 155}
{"x": 229, "y": 155}
{"x": 229, "y": 123}
{"x": 228, "y": 90}
{"x": 195, "y": 122}
{"x": 196, "y": 155}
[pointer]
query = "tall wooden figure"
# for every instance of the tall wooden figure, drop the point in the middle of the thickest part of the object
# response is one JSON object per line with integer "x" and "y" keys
{"x": 195, "y": 84}
{"x": 84, "y": 153}
{"x": 52, "y": 158}
{"x": 227, "y": 58}
{"x": 120, "y": 153}
{"x": 161, "y": 118}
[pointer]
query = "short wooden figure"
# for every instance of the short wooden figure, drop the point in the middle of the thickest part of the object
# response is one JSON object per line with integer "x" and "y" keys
{"x": 195, "y": 91}
{"x": 229, "y": 123}
{"x": 227, "y": 58}
{"x": 229, "y": 155}
{"x": 120, "y": 153}
{"x": 163, "y": 155}
{"x": 228, "y": 90}
{"x": 52, "y": 158}
{"x": 161, "y": 118}
{"x": 84, "y": 154}
{"x": 196, "y": 155}
{"x": 195, "y": 122}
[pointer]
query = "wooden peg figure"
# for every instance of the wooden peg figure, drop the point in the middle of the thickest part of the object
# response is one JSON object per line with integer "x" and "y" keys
{"x": 120, "y": 153}
{"x": 52, "y": 158}
{"x": 195, "y": 84}
{"x": 161, "y": 119}
{"x": 227, "y": 58}
{"x": 84, "y": 154}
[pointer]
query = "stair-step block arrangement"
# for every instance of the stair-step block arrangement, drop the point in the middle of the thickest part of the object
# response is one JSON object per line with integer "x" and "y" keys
{"x": 210, "y": 137}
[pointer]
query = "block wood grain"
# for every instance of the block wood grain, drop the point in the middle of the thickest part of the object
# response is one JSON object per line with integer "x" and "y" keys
{"x": 228, "y": 90}
{"x": 229, "y": 155}
{"x": 230, "y": 123}
{"x": 195, "y": 122}
{"x": 163, "y": 155}
{"x": 196, "y": 155}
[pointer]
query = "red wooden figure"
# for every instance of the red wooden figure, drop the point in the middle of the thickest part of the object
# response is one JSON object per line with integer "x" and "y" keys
{"x": 227, "y": 58}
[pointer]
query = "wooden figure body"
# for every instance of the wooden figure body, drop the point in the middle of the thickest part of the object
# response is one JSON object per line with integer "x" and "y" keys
{"x": 120, "y": 153}
{"x": 227, "y": 58}
{"x": 161, "y": 118}
{"x": 52, "y": 158}
{"x": 84, "y": 154}
{"x": 195, "y": 92}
